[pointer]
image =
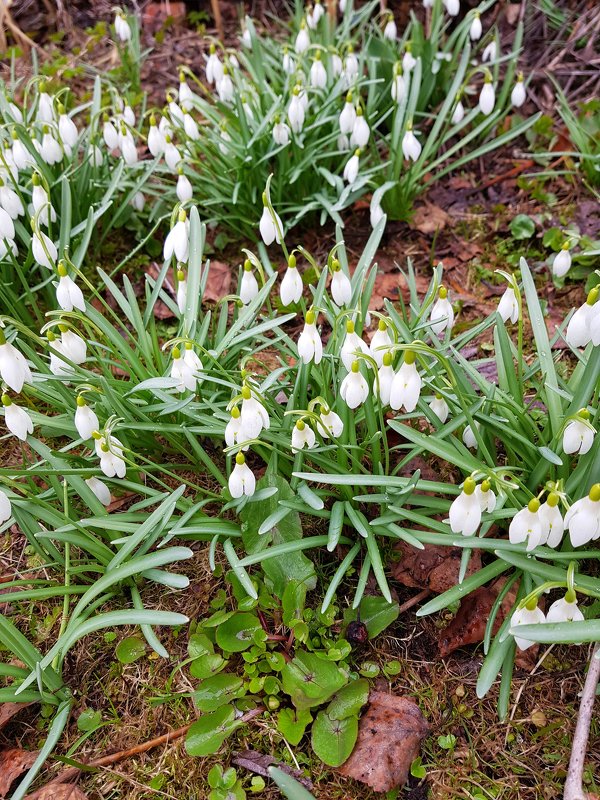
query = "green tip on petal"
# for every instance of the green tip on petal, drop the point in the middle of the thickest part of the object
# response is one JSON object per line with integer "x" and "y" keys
{"x": 6, "y": 401}
{"x": 335, "y": 265}
{"x": 81, "y": 401}
{"x": 349, "y": 326}
{"x": 246, "y": 392}
{"x": 355, "y": 366}
{"x": 182, "y": 215}
{"x": 248, "y": 265}
{"x": 300, "y": 425}
{"x": 593, "y": 296}
{"x": 382, "y": 325}
{"x": 443, "y": 293}
{"x": 533, "y": 505}
{"x": 531, "y": 605}
{"x": 292, "y": 261}
{"x": 553, "y": 499}
{"x": 409, "y": 357}
{"x": 240, "y": 459}
{"x": 176, "y": 352}
{"x": 265, "y": 199}
{"x": 595, "y": 493}
{"x": 583, "y": 413}
{"x": 62, "y": 270}
{"x": 235, "y": 412}
{"x": 387, "y": 359}
{"x": 570, "y": 596}
{"x": 486, "y": 486}
{"x": 310, "y": 317}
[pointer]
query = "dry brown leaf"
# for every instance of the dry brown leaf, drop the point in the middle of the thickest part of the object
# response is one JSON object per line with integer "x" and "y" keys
{"x": 429, "y": 218}
{"x": 58, "y": 791}
{"x": 511, "y": 12}
{"x": 436, "y": 567}
{"x": 219, "y": 281}
{"x": 14, "y": 762}
{"x": 8, "y": 711}
{"x": 386, "y": 287}
{"x": 389, "y": 737}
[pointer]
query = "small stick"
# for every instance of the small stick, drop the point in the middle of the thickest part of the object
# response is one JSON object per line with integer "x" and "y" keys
{"x": 72, "y": 772}
{"x": 574, "y": 783}
{"x": 414, "y": 600}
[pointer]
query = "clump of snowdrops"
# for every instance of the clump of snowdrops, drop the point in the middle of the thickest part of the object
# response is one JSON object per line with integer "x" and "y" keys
{"x": 336, "y": 108}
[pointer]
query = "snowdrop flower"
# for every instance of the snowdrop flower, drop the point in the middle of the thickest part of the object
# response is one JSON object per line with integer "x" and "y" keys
{"x": 380, "y": 342}
{"x": 281, "y": 133}
{"x": 302, "y": 39}
{"x": 122, "y": 28}
{"x": 562, "y": 262}
{"x": 487, "y": 96}
{"x": 337, "y": 64}
{"x": 508, "y": 307}
{"x": 67, "y": 130}
{"x": 10, "y": 201}
{"x": 110, "y": 134}
{"x": 330, "y": 425}
{"x": 476, "y": 30}
{"x": 156, "y": 139}
{"x": 68, "y": 294}
{"x": 406, "y": 387}
{"x": 225, "y": 88}
{"x": 360, "y": 131}
{"x": 5, "y": 508}
{"x": 271, "y": 227}
{"x": 310, "y": 347}
{"x": 375, "y": 213}
{"x": 468, "y": 437}
{"x": 465, "y": 511}
{"x": 347, "y": 116}
{"x": 554, "y": 525}
{"x": 579, "y": 329}
{"x": 408, "y": 60}
{"x": 72, "y": 345}
{"x": 45, "y": 109}
{"x": 318, "y": 74}
{"x": 127, "y": 146}
{"x": 190, "y": 127}
{"x": 341, "y": 288}
{"x": 192, "y": 359}
{"x": 411, "y": 147}
{"x": 100, "y": 489}
{"x": 181, "y": 372}
{"x": 302, "y": 436}
{"x": 181, "y": 291}
{"x": 578, "y": 435}
{"x": 86, "y": 420}
{"x": 177, "y": 242}
{"x": 398, "y": 84}
{"x": 343, "y": 143}
{"x": 241, "y": 481}
{"x": 21, "y": 156}
{"x": 290, "y": 290}
{"x": 185, "y": 95}
{"x": 442, "y": 313}
{"x": 16, "y": 419}
{"x": 184, "y": 187}
{"x": 248, "y": 284}
{"x": 233, "y": 430}
{"x": 385, "y": 378}
{"x": 486, "y": 497}
{"x": 7, "y": 227}
{"x": 172, "y": 154}
{"x": 288, "y": 62}
{"x": 225, "y": 137}
{"x": 582, "y": 520}
{"x": 40, "y": 202}
{"x": 390, "y": 31}
{"x": 43, "y": 249}
{"x": 342, "y": 6}
{"x": 351, "y": 67}
{"x": 138, "y": 201}
{"x": 440, "y": 407}
{"x": 458, "y": 113}
{"x": 214, "y": 67}
{"x": 51, "y": 151}
{"x": 57, "y": 365}
{"x": 517, "y": 96}
{"x": 528, "y": 526}
{"x": 296, "y": 112}
{"x": 529, "y": 615}
{"x": 352, "y": 167}
{"x": 14, "y": 369}
{"x": 354, "y": 389}
{"x": 452, "y": 7}
{"x": 565, "y": 609}
{"x": 253, "y": 414}
{"x": 246, "y": 38}
{"x": 16, "y": 112}
{"x": 352, "y": 344}
{"x": 110, "y": 452}
{"x": 490, "y": 52}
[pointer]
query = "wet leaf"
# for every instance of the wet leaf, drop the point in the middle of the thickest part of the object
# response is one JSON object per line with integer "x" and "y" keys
{"x": 217, "y": 691}
{"x": 58, "y": 791}
{"x": 349, "y": 700}
{"x": 8, "y": 711}
{"x": 237, "y": 633}
{"x": 522, "y": 227}
{"x": 208, "y": 734}
{"x": 333, "y": 739}
{"x": 13, "y": 762}
{"x": 130, "y": 649}
{"x": 311, "y": 680}
{"x": 292, "y": 723}
{"x": 389, "y": 737}
{"x": 376, "y": 614}
{"x": 219, "y": 281}
{"x": 435, "y": 567}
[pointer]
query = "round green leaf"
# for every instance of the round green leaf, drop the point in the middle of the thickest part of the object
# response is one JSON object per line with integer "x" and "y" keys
{"x": 237, "y": 633}
{"x": 217, "y": 691}
{"x": 333, "y": 739}
{"x": 130, "y": 649}
{"x": 522, "y": 227}
{"x": 210, "y": 731}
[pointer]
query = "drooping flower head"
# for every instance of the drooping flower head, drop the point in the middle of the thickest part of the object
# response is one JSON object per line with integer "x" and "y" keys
{"x": 241, "y": 481}
{"x": 406, "y": 386}
{"x": 310, "y": 347}
{"x": 578, "y": 435}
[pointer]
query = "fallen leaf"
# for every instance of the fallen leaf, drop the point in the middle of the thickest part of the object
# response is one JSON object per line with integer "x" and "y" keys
{"x": 219, "y": 281}
{"x": 386, "y": 287}
{"x": 429, "y": 219}
{"x": 511, "y": 12}
{"x": 389, "y": 737}
{"x": 8, "y": 711}
{"x": 259, "y": 763}
{"x": 58, "y": 791}
{"x": 14, "y": 762}
{"x": 436, "y": 567}
{"x": 161, "y": 310}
